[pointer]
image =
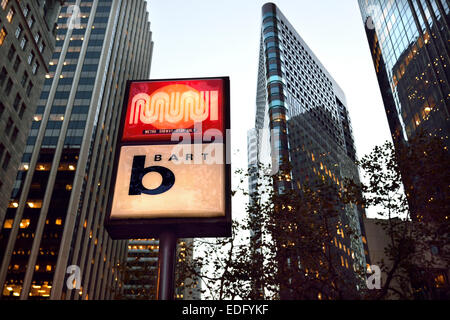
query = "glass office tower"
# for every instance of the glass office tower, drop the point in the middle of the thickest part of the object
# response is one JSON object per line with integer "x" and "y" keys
{"x": 57, "y": 207}
{"x": 409, "y": 42}
{"x": 306, "y": 110}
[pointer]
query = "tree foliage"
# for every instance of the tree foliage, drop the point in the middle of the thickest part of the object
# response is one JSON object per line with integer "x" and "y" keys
{"x": 414, "y": 218}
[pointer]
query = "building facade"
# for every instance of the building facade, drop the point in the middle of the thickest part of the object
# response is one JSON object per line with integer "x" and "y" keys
{"x": 305, "y": 110}
{"x": 141, "y": 271}
{"x": 53, "y": 229}
{"x": 27, "y": 40}
{"x": 409, "y": 42}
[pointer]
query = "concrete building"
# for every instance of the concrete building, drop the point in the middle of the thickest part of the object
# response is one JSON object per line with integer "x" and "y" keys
{"x": 57, "y": 208}
{"x": 27, "y": 40}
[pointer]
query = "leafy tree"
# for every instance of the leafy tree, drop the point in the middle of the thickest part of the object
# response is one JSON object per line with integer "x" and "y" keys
{"x": 414, "y": 224}
{"x": 285, "y": 248}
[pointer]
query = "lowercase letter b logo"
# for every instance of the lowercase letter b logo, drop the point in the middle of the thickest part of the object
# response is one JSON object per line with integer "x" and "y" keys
{"x": 139, "y": 171}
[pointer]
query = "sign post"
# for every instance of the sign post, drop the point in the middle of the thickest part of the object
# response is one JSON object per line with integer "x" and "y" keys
{"x": 170, "y": 176}
{"x": 166, "y": 266}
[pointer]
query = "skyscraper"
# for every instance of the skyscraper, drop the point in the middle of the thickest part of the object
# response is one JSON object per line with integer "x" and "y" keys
{"x": 57, "y": 207}
{"x": 409, "y": 42}
{"x": 27, "y": 40}
{"x": 306, "y": 110}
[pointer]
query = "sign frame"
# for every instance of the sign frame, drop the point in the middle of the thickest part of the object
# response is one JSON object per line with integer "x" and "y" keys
{"x": 120, "y": 229}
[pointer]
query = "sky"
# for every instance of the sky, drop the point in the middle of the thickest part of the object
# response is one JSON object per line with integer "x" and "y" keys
{"x": 209, "y": 38}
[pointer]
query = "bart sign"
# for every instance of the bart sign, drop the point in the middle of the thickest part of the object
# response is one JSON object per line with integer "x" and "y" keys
{"x": 170, "y": 170}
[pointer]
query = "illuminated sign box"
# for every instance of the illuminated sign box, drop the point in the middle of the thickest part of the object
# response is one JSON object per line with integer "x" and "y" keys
{"x": 160, "y": 184}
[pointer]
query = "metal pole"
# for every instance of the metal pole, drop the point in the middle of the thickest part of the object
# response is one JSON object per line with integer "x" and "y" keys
{"x": 166, "y": 266}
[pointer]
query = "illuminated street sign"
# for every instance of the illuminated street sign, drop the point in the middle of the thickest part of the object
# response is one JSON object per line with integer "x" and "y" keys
{"x": 169, "y": 181}
{"x": 159, "y": 184}
{"x": 157, "y": 109}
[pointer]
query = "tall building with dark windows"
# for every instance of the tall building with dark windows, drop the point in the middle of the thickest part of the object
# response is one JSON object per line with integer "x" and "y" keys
{"x": 410, "y": 46}
{"x": 57, "y": 207}
{"x": 27, "y": 40}
{"x": 409, "y": 42}
{"x": 311, "y": 130}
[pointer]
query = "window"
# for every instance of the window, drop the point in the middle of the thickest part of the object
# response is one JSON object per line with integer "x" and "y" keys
{"x": 9, "y": 86}
{"x": 2, "y": 36}
{"x": 14, "y": 135}
{"x": 17, "y": 102}
{"x": 35, "y": 67}
{"x": 23, "y": 43}
{"x": 37, "y": 37}
{"x": 30, "y": 57}
{"x": 3, "y": 76}
{"x": 18, "y": 31}
{"x": 24, "y": 79}
{"x": 31, "y": 22}
{"x": 6, "y": 161}
{"x": 41, "y": 47}
{"x": 11, "y": 53}
{"x": 10, "y": 15}
{"x": 8, "y": 224}
{"x": 29, "y": 88}
{"x": 9, "y": 126}
{"x": 4, "y": 4}
{"x": 25, "y": 9}
{"x": 16, "y": 64}
{"x": 2, "y": 108}
{"x": 22, "y": 110}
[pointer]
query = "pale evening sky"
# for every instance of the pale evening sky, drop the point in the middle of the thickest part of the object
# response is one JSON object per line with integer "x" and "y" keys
{"x": 207, "y": 38}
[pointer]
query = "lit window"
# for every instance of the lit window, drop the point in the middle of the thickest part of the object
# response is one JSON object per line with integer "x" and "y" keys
{"x": 4, "y": 4}
{"x": 25, "y": 223}
{"x": 13, "y": 204}
{"x": 439, "y": 281}
{"x": 2, "y": 36}
{"x": 48, "y": 268}
{"x": 58, "y": 221}
{"x": 10, "y": 15}
{"x": 8, "y": 223}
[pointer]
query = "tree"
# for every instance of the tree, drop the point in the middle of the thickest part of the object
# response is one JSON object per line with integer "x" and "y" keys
{"x": 285, "y": 248}
{"x": 414, "y": 222}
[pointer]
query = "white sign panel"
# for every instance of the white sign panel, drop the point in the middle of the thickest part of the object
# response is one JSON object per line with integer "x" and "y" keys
{"x": 170, "y": 181}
